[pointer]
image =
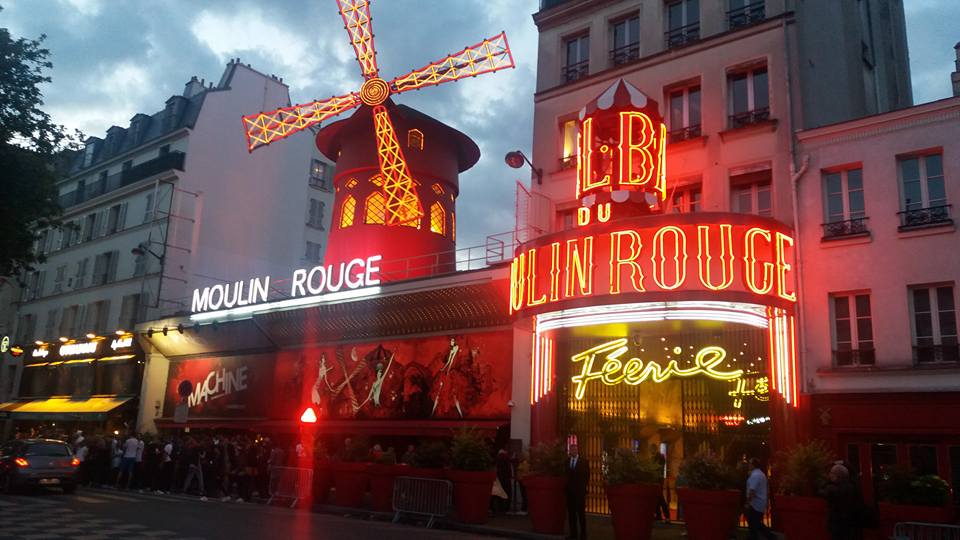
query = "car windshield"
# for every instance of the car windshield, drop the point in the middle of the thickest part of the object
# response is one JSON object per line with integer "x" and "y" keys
{"x": 48, "y": 449}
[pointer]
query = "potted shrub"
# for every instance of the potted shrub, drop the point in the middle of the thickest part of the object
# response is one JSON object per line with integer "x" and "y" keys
{"x": 322, "y": 476}
{"x": 906, "y": 496}
{"x": 350, "y": 474}
{"x": 633, "y": 490}
{"x": 472, "y": 475}
{"x": 429, "y": 459}
{"x": 708, "y": 491}
{"x": 799, "y": 509}
{"x": 382, "y": 472}
{"x": 544, "y": 481}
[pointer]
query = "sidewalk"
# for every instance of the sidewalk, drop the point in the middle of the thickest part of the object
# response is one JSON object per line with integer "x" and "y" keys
{"x": 598, "y": 528}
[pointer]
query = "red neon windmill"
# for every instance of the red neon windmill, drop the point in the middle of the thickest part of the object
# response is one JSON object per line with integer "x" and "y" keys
{"x": 402, "y": 203}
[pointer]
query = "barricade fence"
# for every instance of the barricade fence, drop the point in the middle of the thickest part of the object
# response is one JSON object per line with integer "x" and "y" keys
{"x": 912, "y": 530}
{"x": 427, "y": 497}
{"x": 290, "y": 483}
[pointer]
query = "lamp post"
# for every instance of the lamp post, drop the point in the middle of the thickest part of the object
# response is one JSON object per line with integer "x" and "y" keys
{"x": 516, "y": 159}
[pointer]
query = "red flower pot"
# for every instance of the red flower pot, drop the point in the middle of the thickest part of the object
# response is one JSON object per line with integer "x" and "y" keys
{"x": 710, "y": 515}
{"x": 322, "y": 478}
{"x": 471, "y": 494}
{"x": 349, "y": 483}
{"x": 381, "y": 485}
{"x": 891, "y": 514}
{"x": 801, "y": 518}
{"x": 632, "y": 507}
{"x": 546, "y": 502}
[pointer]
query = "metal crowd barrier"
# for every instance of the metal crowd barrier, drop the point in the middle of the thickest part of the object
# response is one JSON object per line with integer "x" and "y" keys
{"x": 423, "y": 497}
{"x": 912, "y": 530}
{"x": 290, "y": 483}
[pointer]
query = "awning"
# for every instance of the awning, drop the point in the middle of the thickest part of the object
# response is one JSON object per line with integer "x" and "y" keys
{"x": 62, "y": 408}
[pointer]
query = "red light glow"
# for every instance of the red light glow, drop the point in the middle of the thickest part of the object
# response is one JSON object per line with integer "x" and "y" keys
{"x": 21, "y": 462}
{"x": 309, "y": 416}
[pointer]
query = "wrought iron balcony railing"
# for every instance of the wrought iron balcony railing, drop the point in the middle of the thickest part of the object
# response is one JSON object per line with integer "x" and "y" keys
{"x": 573, "y": 72}
{"x": 569, "y": 162}
{"x": 855, "y": 357}
{"x": 685, "y": 35}
{"x": 746, "y": 118}
{"x": 684, "y": 134}
{"x": 935, "y": 354}
{"x": 848, "y": 227}
{"x": 925, "y": 217}
{"x": 625, "y": 54}
{"x": 746, "y": 15}
{"x": 173, "y": 160}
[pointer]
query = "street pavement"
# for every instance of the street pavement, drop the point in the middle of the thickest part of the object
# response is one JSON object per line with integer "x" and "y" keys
{"x": 95, "y": 514}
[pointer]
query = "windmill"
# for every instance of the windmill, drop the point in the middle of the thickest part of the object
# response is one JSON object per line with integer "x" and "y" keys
{"x": 402, "y": 205}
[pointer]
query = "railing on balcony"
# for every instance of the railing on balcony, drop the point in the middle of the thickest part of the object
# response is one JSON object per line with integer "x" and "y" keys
{"x": 746, "y": 15}
{"x": 573, "y": 72}
{"x": 569, "y": 162}
{"x": 746, "y": 118}
{"x": 925, "y": 217}
{"x": 685, "y": 133}
{"x": 855, "y": 357}
{"x": 173, "y": 160}
{"x": 685, "y": 35}
{"x": 848, "y": 227}
{"x": 626, "y": 54}
{"x": 934, "y": 354}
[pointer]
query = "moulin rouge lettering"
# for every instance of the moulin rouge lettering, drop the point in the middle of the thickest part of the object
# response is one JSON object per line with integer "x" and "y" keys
{"x": 613, "y": 370}
{"x": 218, "y": 384}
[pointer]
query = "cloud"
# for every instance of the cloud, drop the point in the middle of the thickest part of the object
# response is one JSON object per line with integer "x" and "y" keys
{"x": 87, "y": 8}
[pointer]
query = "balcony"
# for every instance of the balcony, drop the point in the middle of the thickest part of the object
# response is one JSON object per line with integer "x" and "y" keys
{"x": 319, "y": 182}
{"x": 173, "y": 160}
{"x": 747, "y": 118}
{"x": 845, "y": 228}
{"x": 576, "y": 71}
{"x": 936, "y": 354}
{"x": 918, "y": 218}
{"x": 855, "y": 357}
{"x": 683, "y": 36}
{"x": 625, "y": 55}
{"x": 684, "y": 134}
{"x": 746, "y": 15}
{"x": 569, "y": 162}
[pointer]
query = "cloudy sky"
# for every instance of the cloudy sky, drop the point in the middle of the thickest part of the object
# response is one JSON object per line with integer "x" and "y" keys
{"x": 113, "y": 58}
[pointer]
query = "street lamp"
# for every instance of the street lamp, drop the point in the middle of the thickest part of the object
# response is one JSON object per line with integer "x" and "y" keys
{"x": 142, "y": 249}
{"x": 516, "y": 159}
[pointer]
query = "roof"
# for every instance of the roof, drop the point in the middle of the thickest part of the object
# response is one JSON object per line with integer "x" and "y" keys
{"x": 621, "y": 95}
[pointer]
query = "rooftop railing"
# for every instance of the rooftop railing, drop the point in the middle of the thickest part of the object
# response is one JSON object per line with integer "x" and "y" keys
{"x": 172, "y": 160}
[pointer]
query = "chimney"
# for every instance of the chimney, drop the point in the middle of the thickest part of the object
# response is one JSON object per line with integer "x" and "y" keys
{"x": 192, "y": 88}
{"x": 955, "y": 76}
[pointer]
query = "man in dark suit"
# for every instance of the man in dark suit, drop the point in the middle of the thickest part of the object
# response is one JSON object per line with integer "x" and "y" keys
{"x": 578, "y": 476}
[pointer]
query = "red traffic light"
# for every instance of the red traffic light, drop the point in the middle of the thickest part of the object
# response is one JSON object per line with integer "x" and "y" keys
{"x": 309, "y": 416}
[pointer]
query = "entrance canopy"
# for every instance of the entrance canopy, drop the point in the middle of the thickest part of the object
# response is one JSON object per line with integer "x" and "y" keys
{"x": 63, "y": 408}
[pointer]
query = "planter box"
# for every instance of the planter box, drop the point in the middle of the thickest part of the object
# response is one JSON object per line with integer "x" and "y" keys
{"x": 322, "y": 480}
{"x": 632, "y": 507}
{"x": 381, "y": 485}
{"x": 350, "y": 483}
{"x": 546, "y": 503}
{"x": 417, "y": 472}
{"x": 471, "y": 494}
{"x": 801, "y": 518}
{"x": 891, "y": 514}
{"x": 710, "y": 515}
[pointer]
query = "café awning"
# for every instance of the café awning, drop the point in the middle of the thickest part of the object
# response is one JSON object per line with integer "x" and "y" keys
{"x": 62, "y": 408}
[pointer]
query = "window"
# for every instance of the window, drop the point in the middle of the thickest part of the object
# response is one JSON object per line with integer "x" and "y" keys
{"x": 934, "y": 324}
{"x": 50, "y": 326}
{"x": 140, "y": 265}
{"x": 568, "y": 154}
{"x": 923, "y": 196}
{"x": 164, "y": 150}
{"x": 415, "y": 139}
{"x": 129, "y": 311}
{"x": 125, "y": 168}
{"x": 438, "y": 218}
{"x": 437, "y": 189}
{"x": 685, "y": 199}
{"x": 576, "y": 58}
{"x": 750, "y": 193}
{"x": 625, "y": 40}
{"x": 88, "y": 154}
{"x": 96, "y": 317}
{"x": 148, "y": 209}
{"x": 923, "y": 459}
{"x": 58, "y": 278}
{"x": 34, "y": 287}
{"x": 115, "y": 218}
{"x": 745, "y": 12}
{"x": 684, "y": 120}
{"x": 67, "y": 321}
{"x": 376, "y": 209}
{"x": 683, "y": 23}
{"x": 26, "y": 328}
{"x": 748, "y": 97}
{"x": 312, "y": 252}
{"x": 315, "y": 219}
{"x": 89, "y": 227}
{"x": 852, "y": 330}
{"x": 843, "y": 207}
{"x": 319, "y": 175}
{"x": 81, "y": 275}
{"x": 105, "y": 267}
{"x": 347, "y": 211}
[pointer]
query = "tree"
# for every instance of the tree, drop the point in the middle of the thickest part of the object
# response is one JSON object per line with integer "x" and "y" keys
{"x": 31, "y": 146}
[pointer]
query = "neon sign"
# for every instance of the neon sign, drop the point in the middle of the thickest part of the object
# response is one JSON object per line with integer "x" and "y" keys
{"x": 634, "y": 371}
{"x": 122, "y": 342}
{"x": 73, "y": 349}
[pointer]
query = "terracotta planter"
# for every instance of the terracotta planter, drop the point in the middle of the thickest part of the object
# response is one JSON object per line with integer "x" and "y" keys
{"x": 471, "y": 494}
{"x": 710, "y": 515}
{"x": 891, "y": 514}
{"x": 546, "y": 502}
{"x": 417, "y": 472}
{"x": 350, "y": 483}
{"x": 322, "y": 479}
{"x": 801, "y": 518}
{"x": 381, "y": 485}
{"x": 632, "y": 507}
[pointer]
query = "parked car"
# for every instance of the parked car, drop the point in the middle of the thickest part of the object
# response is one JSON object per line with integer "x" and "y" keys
{"x": 38, "y": 462}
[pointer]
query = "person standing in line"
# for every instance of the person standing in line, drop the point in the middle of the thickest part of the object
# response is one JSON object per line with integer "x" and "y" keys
{"x": 195, "y": 470}
{"x": 578, "y": 477}
{"x": 138, "y": 465}
{"x": 843, "y": 506}
{"x": 82, "y": 454}
{"x": 165, "y": 476}
{"x": 128, "y": 460}
{"x": 663, "y": 510}
{"x": 756, "y": 502}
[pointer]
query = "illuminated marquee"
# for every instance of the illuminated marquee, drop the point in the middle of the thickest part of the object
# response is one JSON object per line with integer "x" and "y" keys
{"x": 735, "y": 255}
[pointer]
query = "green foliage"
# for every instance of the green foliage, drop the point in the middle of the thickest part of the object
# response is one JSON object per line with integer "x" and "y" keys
{"x": 900, "y": 485}
{"x": 627, "y": 467}
{"x": 548, "y": 459}
{"x": 706, "y": 471}
{"x": 357, "y": 450}
{"x": 805, "y": 468}
{"x": 431, "y": 455}
{"x": 470, "y": 452}
{"x": 386, "y": 458}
